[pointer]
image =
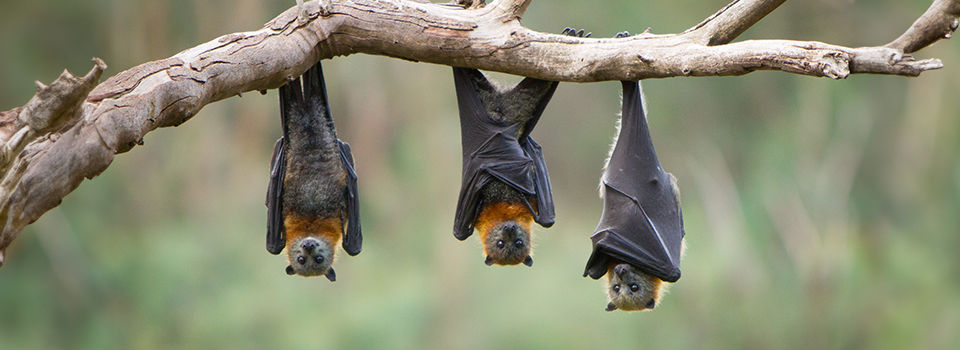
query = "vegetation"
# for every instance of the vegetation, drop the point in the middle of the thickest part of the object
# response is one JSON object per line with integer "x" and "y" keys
{"x": 819, "y": 213}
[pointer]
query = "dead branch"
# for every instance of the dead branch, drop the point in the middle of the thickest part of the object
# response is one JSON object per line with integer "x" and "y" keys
{"x": 71, "y": 130}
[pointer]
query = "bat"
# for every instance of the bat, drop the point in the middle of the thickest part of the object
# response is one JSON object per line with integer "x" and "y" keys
{"x": 639, "y": 240}
{"x": 312, "y": 201}
{"x": 505, "y": 185}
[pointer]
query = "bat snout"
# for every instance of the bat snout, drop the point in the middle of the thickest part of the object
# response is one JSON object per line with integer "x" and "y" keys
{"x": 511, "y": 228}
{"x": 620, "y": 270}
{"x": 309, "y": 244}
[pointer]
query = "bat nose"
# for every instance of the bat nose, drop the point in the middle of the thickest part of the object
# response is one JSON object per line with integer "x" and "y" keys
{"x": 309, "y": 245}
{"x": 620, "y": 270}
{"x": 511, "y": 228}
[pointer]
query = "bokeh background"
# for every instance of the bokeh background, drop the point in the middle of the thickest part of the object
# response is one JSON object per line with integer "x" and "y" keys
{"x": 819, "y": 213}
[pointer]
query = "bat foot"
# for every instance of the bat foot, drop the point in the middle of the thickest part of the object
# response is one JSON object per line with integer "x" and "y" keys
{"x": 622, "y": 34}
{"x": 577, "y": 33}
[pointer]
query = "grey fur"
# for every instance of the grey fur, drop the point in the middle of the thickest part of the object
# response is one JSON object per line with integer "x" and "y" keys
{"x": 314, "y": 181}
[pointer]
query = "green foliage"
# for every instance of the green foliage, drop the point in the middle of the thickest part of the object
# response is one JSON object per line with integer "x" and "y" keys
{"x": 820, "y": 214}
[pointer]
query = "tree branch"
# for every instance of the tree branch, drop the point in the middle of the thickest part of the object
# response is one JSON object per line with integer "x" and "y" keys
{"x": 67, "y": 132}
{"x": 731, "y": 21}
{"x": 939, "y": 22}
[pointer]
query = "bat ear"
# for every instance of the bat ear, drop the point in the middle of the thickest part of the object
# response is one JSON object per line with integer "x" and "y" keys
{"x": 651, "y": 304}
{"x": 290, "y": 270}
{"x": 488, "y": 261}
{"x": 528, "y": 261}
{"x": 331, "y": 275}
{"x": 610, "y": 307}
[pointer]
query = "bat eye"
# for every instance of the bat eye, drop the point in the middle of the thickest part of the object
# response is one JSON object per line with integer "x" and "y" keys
{"x": 518, "y": 243}
{"x": 319, "y": 259}
{"x": 616, "y": 288}
{"x": 634, "y": 287}
{"x": 499, "y": 243}
{"x": 301, "y": 260}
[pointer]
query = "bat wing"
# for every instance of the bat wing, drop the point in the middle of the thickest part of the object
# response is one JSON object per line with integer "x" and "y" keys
{"x": 491, "y": 151}
{"x": 276, "y": 236}
{"x": 530, "y": 86}
{"x": 500, "y": 158}
{"x": 641, "y": 222}
{"x": 353, "y": 239}
{"x": 546, "y": 214}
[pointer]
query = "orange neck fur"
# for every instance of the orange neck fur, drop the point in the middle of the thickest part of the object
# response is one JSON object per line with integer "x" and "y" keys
{"x": 495, "y": 213}
{"x": 297, "y": 227}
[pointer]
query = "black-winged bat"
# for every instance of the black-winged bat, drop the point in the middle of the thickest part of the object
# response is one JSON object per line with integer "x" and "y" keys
{"x": 639, "y": 240}
{"x": 312, "y": 197}
{"x": 505, "y": 185}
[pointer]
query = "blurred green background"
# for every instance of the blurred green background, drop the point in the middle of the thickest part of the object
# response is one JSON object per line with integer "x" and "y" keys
{"x": 819, "y": 213}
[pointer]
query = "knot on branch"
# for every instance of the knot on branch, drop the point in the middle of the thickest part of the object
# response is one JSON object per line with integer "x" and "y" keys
{"x": 52, "y": 107}
{"x": 60, "y": 101}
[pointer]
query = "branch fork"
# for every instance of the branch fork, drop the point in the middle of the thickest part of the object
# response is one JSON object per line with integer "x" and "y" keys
{"x": 72, "y": 128}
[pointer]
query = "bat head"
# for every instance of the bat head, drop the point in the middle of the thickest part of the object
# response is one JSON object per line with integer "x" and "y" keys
{"x": 311, "y": 256}
{"x": 629, "y": 289}
{"x": 508, "y": 243}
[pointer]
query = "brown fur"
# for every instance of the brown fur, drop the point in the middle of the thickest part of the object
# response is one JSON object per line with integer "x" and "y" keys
{"x": 328, "y": 229}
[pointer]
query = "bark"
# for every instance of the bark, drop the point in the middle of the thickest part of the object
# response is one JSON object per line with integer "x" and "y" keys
{"x": 71, "y": 129}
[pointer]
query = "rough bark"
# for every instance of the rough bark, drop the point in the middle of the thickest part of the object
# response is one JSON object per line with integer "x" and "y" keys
{"x": 71, "y": 129}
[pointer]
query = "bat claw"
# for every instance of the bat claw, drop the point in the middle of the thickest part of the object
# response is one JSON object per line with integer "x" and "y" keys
{"x": 577, "y": 33}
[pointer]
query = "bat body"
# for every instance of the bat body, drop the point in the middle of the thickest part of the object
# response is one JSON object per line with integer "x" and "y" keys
{"x": 505, "y": 185}
{"x": 639, "y": 240}
{"x": 312, "y": 202}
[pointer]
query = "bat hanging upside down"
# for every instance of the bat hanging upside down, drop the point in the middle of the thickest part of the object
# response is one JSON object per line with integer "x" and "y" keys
{"x": 312, "y": 198}
{"x": 639, "y": 241}
{"x": 505, "y": 185}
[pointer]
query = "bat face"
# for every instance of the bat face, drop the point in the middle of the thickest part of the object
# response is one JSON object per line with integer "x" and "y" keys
{"x": 310, "y": 256}
{"x": 505, "y": 233}
{"x": 629, "y": 289}
{"x": 311, "y": 245}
